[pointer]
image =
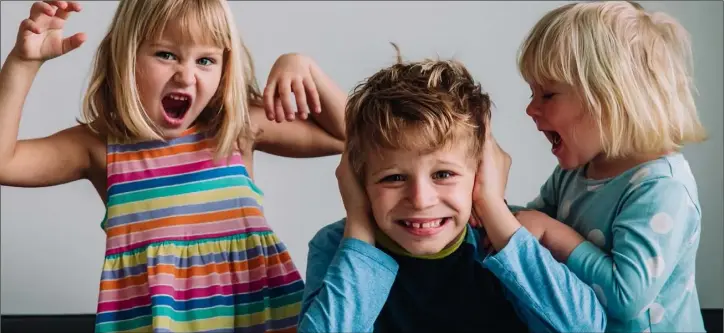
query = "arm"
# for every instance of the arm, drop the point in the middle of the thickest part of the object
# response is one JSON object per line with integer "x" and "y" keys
{"x": 333, "y": 101}
{"x": 295, "y": 135}
{"x": 298, "y": 138}
{"x": 652, "y": 229}
{"x": 347, "y": 283}
{"x": 56, "y": 159}
{"x": 547, "y": 200}
{"x": 545, "y": 293}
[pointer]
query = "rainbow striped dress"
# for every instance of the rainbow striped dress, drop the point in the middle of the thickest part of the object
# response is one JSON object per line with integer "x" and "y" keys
{"x": 188, "y": 248}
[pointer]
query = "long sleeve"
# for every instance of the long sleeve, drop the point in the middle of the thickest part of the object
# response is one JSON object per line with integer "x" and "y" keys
{"x": 548, "y": 296}
{"x": 547, "y": 199}
{"x": 656, "y": 221}
{"x": 347, "y": 284}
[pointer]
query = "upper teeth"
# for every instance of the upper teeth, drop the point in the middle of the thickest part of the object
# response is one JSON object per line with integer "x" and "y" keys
{"x": 433, "y": 224}
{"x": 178, "y": 97}
{"x": 556, "y": 139}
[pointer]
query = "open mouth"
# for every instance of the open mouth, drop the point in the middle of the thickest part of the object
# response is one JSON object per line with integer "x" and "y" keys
{"x": 423, "y": 223}
{"x": 554, "y": 138}
{"x": 424, "y": 227}
{"x": 175, "y": 107}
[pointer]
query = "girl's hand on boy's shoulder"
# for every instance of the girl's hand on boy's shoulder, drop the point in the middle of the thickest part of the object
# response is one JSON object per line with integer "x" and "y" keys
{"x": 291, "y": 76}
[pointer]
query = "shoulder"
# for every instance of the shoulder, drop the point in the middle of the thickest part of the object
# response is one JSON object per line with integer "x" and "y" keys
{"x": 329, "y": 237}
{"x": 665, "y": 185}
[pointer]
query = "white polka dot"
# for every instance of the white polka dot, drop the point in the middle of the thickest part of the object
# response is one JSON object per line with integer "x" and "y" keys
{"x": 641, "y": 173}
{"x": 596, "y": 236}
{"x": 592, "y": 188}
{"x": 600, "y": 294}
{"x": 657, "y": 313}
{"x": 661, "y": 223}
{"x": 656, "y": 266}
{"x": 691, "y": 282}
{"x": 565, "y": 209}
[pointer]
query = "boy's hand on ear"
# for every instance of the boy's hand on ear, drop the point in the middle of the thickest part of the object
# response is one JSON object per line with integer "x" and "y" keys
{"x": 291, "y": 76}
{"x": 359, "y": 221}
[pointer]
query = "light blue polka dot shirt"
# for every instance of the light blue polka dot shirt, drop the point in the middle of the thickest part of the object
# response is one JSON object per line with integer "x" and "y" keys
{"x": 642, "y": 229}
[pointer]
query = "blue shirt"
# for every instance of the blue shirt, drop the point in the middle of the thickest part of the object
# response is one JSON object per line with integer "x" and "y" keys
{"x": 348, "y": 282}
{"x": 642, "y": 229}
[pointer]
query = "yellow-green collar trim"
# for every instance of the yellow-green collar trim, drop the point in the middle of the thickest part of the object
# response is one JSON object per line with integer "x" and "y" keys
{"x": 386, "y": 242}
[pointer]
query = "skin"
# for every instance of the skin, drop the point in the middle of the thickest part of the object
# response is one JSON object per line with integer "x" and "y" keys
{"x": 406, "y": 185}
{"x": 164, "y": 65}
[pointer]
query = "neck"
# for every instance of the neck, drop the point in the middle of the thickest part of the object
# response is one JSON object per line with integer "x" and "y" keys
{"x": 393, "y": 247}
{"x": 602, "y": 168}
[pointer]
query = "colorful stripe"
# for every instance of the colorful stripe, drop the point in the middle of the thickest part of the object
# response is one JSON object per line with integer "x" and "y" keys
{"x": 188, "y": 248}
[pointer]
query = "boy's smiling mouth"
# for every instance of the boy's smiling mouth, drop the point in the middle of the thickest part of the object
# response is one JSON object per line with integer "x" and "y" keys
{"x": 424, "y": 227}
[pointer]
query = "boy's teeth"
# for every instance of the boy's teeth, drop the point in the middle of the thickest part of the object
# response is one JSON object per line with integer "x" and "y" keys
{"x": 434, "y": 224}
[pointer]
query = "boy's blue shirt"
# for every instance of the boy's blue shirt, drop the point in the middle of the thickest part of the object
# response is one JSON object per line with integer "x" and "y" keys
{"x": 348, "y": 282}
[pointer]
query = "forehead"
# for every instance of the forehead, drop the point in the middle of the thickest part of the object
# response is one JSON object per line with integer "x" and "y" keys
{"x": 457, "y": 154}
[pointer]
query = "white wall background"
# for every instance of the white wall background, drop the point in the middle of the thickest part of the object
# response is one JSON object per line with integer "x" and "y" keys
{"x": 52, "y": 245}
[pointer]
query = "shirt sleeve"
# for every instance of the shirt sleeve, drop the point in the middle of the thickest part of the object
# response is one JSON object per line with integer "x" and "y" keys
{"x": 656, "y": 220}
{"x": 547, "y": 199}
{"x": 544, "y": 292}
{"x": 347, "y": 284}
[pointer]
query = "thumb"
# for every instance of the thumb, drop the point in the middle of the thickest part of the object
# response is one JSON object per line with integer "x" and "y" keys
{"x": 73, "y": 42}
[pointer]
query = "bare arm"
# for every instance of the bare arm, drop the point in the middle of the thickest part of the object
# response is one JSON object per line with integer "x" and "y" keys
{"x": 299, "y": 138}
{"x": 56, "y": 159}
{"x": 333, "y": 101}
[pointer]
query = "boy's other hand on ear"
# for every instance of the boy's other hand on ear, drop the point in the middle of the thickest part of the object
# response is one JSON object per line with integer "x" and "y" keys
{"x": 359, "y": 221}
{"x": 492, "y": 176}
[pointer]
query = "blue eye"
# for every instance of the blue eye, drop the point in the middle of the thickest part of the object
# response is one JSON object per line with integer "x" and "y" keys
{"x": 206, "y": 61}
{"x": 442, "y": 174}
{"x": 165, "y": 55}
{"x": 393, "y": 178}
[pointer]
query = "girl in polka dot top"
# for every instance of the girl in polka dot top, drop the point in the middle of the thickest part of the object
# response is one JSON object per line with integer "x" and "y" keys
{"x": 611, "y": 92}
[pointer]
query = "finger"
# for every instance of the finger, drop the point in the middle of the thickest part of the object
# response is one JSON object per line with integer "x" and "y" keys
{"x": 38, "y": 9}
{"x": 59, "y": 4}
{"x": 269, "y": 96}
{"x": 73, "y": 42}
{"x": 279, "y": 110}
{"x": 29, "y": 25}
{"x": 74, "y": 6}
{"x": 285, "y": 94}
{"x": 300, "y": 95}
{"x": 313, "y": 95}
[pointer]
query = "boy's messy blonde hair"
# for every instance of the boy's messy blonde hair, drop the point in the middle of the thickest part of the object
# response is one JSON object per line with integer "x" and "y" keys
{"x": 421, "y": 106}
{"x": 632, "y": 69}
{"x": 112, "y": 106}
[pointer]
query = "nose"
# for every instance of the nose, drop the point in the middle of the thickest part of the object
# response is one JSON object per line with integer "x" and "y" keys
{"x": 532, "y": 109}
{"x": 422, "y": 194}
{"x": 185, "y": 75}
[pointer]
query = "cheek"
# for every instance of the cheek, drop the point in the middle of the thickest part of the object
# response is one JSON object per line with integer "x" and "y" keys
{"x": 459, "y": 197}
{"x": 382, "y": 200}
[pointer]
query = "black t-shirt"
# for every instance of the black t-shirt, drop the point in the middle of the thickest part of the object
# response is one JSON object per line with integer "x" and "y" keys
{"x": 451, "y": 294}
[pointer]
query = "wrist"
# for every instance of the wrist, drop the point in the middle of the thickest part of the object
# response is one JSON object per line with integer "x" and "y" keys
{"x": 14, "y": 60}
{"x": 359, "y": 227}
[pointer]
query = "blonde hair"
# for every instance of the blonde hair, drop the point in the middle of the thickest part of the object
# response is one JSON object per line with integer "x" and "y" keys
{"x": 112, "y": 106}
{"x": 631, "y": 68}
{"x": 420, "y": 106}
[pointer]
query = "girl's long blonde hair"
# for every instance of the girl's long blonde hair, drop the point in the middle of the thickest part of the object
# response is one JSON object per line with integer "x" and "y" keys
{"x": 633, "y": 70}
{"x": 112, "y": 106}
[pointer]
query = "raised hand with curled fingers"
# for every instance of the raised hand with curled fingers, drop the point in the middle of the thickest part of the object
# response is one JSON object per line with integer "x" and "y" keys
{"x": 291, "y": 75}
{"x": 40, "y": 36}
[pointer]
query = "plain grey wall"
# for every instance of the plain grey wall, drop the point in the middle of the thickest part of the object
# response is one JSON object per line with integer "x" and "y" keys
{"x": 52, "y": 244}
